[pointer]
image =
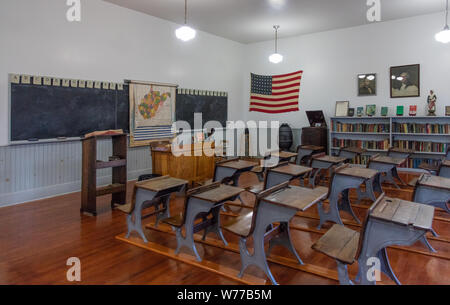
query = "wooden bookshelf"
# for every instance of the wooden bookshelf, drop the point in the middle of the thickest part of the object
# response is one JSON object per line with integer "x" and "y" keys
{"x": 427, "y": 136}
{"x": 90, "y": 165}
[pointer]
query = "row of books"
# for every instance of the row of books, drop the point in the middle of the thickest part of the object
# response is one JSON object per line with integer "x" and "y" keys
{"x": 411, "y": 163}
{"x": 346, "y": 127}
{"x": 414, "y": 163}
{"x": 421, "y": 146}
{"x": 421, "y": 128}
{"x": 379, "y": 145}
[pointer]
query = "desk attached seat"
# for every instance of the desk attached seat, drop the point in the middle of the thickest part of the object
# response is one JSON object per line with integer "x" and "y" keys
{"x": 275, "y": 205}
{"x": 203, "y": 203}
{"x": 343, "y": 179}
{"x": 433, "y": 190}
{"x": 155, "y": 193}
{"x": 388, "y": 222}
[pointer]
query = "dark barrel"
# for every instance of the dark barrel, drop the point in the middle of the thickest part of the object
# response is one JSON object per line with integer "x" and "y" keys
{"x": 285, "y": 137}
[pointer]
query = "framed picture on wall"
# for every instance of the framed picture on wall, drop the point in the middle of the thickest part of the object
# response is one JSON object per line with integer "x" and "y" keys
{"x": 367, "y": 84}
{"x": 342, "y": 108}
{"x": 405, "y": 81}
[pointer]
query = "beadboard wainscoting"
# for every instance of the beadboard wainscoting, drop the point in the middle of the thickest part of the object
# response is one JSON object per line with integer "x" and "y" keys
{"x": 36, "y": 171}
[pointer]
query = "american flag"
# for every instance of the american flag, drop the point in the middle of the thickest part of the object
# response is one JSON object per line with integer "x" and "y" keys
{"x": 275, "y": 94}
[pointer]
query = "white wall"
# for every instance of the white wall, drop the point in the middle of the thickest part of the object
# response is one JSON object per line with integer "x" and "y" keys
{"x": 110, "y": 44}
{"x": 332, "y": 60}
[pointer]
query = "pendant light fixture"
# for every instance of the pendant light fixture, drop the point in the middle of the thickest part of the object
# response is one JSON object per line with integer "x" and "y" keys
{"x": 444, "y": 35}
{"x": 185, "y": 33}
{"x": 276, "y": 57}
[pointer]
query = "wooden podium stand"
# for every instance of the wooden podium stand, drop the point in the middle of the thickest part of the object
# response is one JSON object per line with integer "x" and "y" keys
{"x": 194, "y": 167}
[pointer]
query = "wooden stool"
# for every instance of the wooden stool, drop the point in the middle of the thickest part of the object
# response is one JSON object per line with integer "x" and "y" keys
{"x": 151, "y": 193}
{"x": 200, "y": 203}
{"x": 275, "y": 205}
{"x": 388, "y": 222}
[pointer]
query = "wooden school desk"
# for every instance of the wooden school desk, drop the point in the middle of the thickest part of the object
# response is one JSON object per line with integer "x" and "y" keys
{"x": 153, "y": 192}
{"x": 275, "y": 205}
{"x": 343, "y": 179}
{"x": 305, "y": 152}
{"x": 200, "y": 203}
{"x": 388, "y": 222}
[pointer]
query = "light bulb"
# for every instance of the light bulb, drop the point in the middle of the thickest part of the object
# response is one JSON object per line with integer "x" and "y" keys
{"x": 276, "y": 58}
{"x": 185, "y": 33}
{"x": 444, "y": 35}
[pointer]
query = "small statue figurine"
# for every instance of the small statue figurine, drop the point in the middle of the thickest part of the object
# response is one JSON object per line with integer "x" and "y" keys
{"x": 432, "y": 103}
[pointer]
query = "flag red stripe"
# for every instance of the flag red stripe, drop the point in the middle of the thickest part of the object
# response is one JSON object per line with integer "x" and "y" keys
{"x": 286, "y": 80}
{"x": 273, "y": 99}
{"x": 274, "y": 105}
{"x": 285, "y": 87}
{"x": 286, "y": 92}
{"x": 274, "y": 111}
{"x": 284, "y": 75}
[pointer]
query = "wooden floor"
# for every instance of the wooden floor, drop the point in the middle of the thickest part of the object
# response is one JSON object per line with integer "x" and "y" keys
{"x": 37, "y": 238}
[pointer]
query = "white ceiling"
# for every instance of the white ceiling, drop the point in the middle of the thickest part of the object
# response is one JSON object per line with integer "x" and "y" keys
{"x": 249, "y": 21}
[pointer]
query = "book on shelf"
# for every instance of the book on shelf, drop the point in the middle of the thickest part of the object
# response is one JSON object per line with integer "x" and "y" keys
{"x": 421, "y": 146}
{"x": 413, "y": 110}
{"x": 400, "y": 110}
{"x": 375, "y": 145}
{"x": 414, "y": 163}
{"x": 347, "y": 127}
{"x": 421, "y": 128}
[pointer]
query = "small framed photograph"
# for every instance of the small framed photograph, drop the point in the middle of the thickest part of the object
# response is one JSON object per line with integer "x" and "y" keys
{"x": 371, "y": 110}
{"x": 367, "y": 84}
{"x": 360, "y": 111}
{"x": 342, "y": 108}
{"x": 405, "y": 81}
{"x": 447, "y": 110}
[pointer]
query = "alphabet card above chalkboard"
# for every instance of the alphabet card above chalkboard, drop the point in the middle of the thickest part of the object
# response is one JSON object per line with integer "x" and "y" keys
{"x": 47, "y": 108}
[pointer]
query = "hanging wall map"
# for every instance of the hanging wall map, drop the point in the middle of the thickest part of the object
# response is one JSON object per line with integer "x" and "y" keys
{"x": 153, "y": 108}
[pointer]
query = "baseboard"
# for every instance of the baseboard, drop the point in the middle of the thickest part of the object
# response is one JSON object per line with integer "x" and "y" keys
{"x": 58, "y": 190}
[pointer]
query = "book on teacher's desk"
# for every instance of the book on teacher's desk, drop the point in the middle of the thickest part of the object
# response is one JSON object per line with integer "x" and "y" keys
{"x": 111, "y": 132}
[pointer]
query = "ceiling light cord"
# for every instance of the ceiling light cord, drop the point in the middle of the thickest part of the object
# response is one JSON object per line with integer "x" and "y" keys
{"x": 446, "y": 16}
{"x": 276, "y": 27}
{"x": 185, "y": 11}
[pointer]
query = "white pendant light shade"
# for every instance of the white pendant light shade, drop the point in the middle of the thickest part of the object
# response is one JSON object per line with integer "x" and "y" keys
{"x": 444, "y": 35}
{"x": 185, "y": 33}
{"x": 276, "y": 58}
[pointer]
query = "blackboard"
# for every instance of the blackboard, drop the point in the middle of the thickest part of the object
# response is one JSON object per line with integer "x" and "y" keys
{"x": 49, "y": 112}
{"x": 213, "y": 108}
